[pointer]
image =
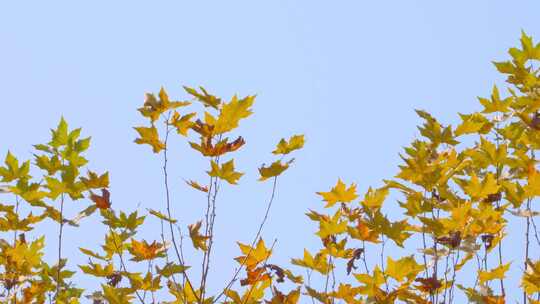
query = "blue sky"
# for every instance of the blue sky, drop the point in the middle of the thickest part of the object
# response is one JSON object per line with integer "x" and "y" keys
{"x": 348, "y": 74}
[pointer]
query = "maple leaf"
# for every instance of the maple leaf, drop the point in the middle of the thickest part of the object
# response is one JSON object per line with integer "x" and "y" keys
{"x": 50, "y": 164}
{"x": 434, "y": 131}
{"x": 254, "y": 276}
{"x": 453, "y": 240}
{"x": 294, "y": 143}
{"x": 477, "y": 189}
{"x": 280, "y": 298}
{"x": 363, "y": 232}
{"x": 375, "y": 198}
{"x": 12, "y": 170}
{"x": 204, "y": 129}
{"x": 530, "y": 281}
{"x": 197, "y": 186}
{"x": 231, "y": 114}
{"x": 161, "y": 216}
{"x": 339, "y": 193}
{"x": 473, "y": 123}
{"x": 532, "y": 188}
{"x": 198, "y": 240}
{"x": 495, "y": 104}
{"x": 60, "y": 134}
{"x": 207, "y": 148}
{"x": 171, "y": 269}
{"x": 275, "y": 169}
{"x": 253, "y": 256}
{"x": 97, "y": 269}
{"x": 371, "y": 282}
{"x": 208, "y": 100}
{"x": 319, "y": 262}
{"x": 428, "y": 285}
{"x": 149, "y": 136}
{"x": 357, "y": 254}
{"x": 93, "y": 181}
{"x": 182, "y": 123}
{"x": 282, "y": 273}
{"x": 225, "y": 172}
{"x": 405, "y": 267}
{"x": 144, "y": 251}
{"x": 102, "y": 201}
{"x": 153, "y": 107}
{"x": 497, "y": 273}
{"x": 347, "y": 293}
{"x": 332, "y": 226}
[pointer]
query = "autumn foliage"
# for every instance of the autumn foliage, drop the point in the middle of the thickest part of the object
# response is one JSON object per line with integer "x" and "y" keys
{"x": 456, "y": 191}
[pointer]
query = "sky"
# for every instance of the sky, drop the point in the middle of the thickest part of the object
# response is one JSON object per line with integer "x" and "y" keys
{"x": 347, "y": 74}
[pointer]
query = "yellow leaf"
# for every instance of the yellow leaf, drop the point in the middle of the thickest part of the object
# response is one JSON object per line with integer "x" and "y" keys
{"x": 153, "y": 107}
{"x": 294, "y": 143}
{"x": 477, "y": 189}
{"x": 161, "y": 216}
{"x": 199, "y": 240}
{"x": 232, "y": 112}
{"x": 225, "y": 172}
{"x": 405, "y": 267}
{"x": 318, "y": 263}
{"x": 144, "y": 251}
{"x": 532, "y": 188}
{"x": 93, "y": 181}
{"x": 197, "y": 186}
{"x": 371, "y": 282}
{"x": 497, "y": 273}
{"x": 375, "y": 198}
{"x": 253, "y": 255}
{"x": 473, "y": 123}
{"x": 332, "y": 226}
{"x": 150, "y": 137}
{"x": 208, "y": 100}
{"x": 339, "y": 193}
{"x": 275, "y": 169}
{"x": 530, "y": 281}
{"x": 182, "y": 123}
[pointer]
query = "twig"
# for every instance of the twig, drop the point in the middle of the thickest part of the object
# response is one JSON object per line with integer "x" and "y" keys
{"x": 242, "y": 264}
{"x": 527, "y": 244}
{"x": 264, "y": 264}
{"x": 122, "y": 263}
{"x": 168, "y": 201}
{"x": 60, "y": 232}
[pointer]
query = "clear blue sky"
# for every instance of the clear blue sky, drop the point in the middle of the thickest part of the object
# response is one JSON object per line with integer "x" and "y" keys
{"x": 348, "y": 74}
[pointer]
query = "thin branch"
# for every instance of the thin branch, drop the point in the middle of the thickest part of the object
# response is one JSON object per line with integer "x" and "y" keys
{"x": 527, "y": 245}
{"x": 259, "y": 275}
{"x": 364, "y": 256}
{"x": 60, "y": 232}
{"x": 122, "y": 263}
{"x": 382, "y": 262}
{"x": 257, "y": 235}
{"x": 210, "y": 220}
{"x": 168, "y": 200}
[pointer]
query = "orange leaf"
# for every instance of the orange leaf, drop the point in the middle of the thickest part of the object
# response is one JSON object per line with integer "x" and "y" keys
{"x": 103, "y": 201}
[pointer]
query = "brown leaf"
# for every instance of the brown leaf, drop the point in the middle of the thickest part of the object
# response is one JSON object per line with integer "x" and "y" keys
{"x": 453, "y": 240}
{"x": 357, "y": 253}
{"x": 103, "y": 201}
{"x": 429, "y": 285}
